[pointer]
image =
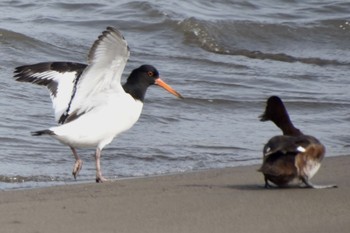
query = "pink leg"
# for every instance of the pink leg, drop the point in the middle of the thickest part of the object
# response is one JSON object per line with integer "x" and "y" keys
{"x": 99, "y": 177}
{"x": 78, "y": 163}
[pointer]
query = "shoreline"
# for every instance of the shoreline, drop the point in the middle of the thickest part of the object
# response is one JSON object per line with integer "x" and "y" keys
{"x": 213, "y": 200}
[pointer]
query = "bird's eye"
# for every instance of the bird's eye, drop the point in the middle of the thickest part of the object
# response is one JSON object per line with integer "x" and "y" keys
{"x": 150, "y": 73}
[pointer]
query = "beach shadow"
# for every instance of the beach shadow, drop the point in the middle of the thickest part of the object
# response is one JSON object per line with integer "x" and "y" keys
{"x": 262, "y": 187}
{"x": 248, "y": 187}
{"x": 238, "y": 186}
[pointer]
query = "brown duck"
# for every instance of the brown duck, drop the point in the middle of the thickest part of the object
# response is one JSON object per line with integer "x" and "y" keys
{"x": 292, "y": 155}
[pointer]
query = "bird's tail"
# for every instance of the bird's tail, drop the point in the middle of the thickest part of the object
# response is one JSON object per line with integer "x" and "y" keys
{"x": 42, "y": 132}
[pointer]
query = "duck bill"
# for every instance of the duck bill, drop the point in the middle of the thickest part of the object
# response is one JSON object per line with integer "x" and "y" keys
{"x": 263, "y": 117}
{"x": 161, "y": 83}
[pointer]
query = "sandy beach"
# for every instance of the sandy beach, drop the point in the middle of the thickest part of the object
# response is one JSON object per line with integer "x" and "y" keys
{"x": 222, "y": 200}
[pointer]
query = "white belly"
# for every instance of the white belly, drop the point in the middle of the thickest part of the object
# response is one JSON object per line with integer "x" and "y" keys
{"x": 101, "y": 124}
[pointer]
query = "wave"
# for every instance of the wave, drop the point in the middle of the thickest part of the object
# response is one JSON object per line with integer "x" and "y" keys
{"x": 9, "y": 37}
{"x": 20, "y": 45}
{"x": 250, "y": 39}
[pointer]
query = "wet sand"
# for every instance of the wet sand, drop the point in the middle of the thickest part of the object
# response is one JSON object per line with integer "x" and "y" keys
{"x": 219, "y": 200}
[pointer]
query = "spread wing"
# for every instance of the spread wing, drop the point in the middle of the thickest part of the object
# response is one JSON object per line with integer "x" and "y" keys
{"x": 107, "y": 60}
{"x": 59, "y": 77}
{"x": 72, "y": 84}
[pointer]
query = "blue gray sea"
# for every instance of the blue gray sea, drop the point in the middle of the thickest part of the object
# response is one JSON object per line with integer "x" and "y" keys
{"x": 226, "y": 57}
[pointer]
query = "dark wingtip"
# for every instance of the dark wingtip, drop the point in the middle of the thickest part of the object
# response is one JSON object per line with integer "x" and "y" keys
{"x": 20, "y": 73}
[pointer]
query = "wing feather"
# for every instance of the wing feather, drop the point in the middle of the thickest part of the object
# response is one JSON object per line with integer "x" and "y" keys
{"x": 74, "y": 86}
{"x": 107, "y": 59}
{"x": 58, "y": 77}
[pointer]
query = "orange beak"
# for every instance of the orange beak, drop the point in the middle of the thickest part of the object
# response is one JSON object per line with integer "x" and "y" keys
{"x": 161, "y": 83}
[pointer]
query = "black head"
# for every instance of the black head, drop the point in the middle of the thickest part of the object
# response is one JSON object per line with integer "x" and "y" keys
{"x": 143, "y": 77}
{"x": 276, "y": 112}
{"x": 139, "y": 80}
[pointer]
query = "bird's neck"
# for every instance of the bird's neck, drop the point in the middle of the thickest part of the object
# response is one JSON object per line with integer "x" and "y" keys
{"x": 287, "y": 126}
{"x": 136, "y": 91}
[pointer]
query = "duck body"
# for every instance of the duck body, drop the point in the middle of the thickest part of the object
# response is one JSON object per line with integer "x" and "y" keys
{"x": 291, "y": 156}
{"x": 286, "y": 158}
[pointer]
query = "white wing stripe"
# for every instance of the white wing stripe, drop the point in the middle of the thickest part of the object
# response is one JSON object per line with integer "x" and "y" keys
{"x": 59, "y": 83}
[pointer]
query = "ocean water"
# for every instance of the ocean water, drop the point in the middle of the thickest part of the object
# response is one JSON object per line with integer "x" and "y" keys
{"x": 226, "y": 57}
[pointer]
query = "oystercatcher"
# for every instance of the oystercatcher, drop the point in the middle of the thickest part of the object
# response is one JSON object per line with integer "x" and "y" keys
{"x": 90, "y": 104}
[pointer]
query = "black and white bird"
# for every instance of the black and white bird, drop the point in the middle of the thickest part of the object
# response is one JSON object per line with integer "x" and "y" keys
{"x": 292, "y": 155}
{"x": 90, "y": 104}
